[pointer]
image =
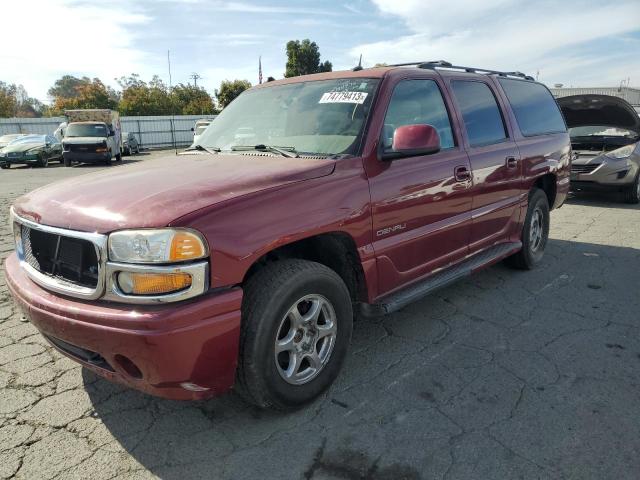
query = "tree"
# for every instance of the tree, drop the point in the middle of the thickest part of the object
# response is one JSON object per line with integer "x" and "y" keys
{"x": 8, "y": 104}
{"x": 67, "y": 87}
{"x": 141, "y": 98}
{"x": 303, "y": 58}
{"x": 16, "y": 102}
{"x": 87, "y": 94}
{"x": 192, "y": 100}
{"x": 230, "y": 89}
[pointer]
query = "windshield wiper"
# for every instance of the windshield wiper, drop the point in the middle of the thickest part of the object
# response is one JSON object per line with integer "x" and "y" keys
{"x": 284, "y": 151}
{"x": 200, "y": 148}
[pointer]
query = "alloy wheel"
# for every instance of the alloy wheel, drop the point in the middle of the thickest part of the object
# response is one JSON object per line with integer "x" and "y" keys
{"x": 536, "y": 231}
{"x": 305, "y": 339}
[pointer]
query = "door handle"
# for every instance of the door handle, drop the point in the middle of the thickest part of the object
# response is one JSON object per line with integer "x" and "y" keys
{"x": 462, "y": 173}
{"x": 512, "y": 162}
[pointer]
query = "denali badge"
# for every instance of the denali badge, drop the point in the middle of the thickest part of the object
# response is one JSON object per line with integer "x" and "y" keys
{"x": 388, "y": 230}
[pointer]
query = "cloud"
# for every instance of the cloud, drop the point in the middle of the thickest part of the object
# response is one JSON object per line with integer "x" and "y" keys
{"x": 57, "y": 37}
{"x": 507, "y": 34}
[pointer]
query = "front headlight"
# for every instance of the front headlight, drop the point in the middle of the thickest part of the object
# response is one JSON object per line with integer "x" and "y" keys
{"x": 167, "y": 245}
{"x": 621, "y": 153}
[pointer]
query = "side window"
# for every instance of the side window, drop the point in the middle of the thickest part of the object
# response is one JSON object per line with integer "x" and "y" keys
{"x": 535, "y": 109}
{"x": 417, "y": 102}
{"x": 480, "y": 112}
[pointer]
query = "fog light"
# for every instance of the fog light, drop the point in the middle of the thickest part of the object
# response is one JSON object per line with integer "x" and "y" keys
{"x": 622, "y": 174}
{"x": 152, "y": 283}
{"x": 101, "y": 150}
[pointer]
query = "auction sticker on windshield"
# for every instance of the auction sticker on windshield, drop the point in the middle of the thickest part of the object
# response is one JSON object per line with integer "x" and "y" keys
{"x": 343, "y": 97}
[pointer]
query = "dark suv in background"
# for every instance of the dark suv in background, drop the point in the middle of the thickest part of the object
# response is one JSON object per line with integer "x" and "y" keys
{"x": 353, "y": 191}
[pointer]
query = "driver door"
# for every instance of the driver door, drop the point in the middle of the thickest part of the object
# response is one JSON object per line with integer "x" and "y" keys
{"x": 421, "y": 204}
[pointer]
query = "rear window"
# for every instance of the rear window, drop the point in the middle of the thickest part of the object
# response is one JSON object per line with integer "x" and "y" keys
{"x": 536, "y": 111}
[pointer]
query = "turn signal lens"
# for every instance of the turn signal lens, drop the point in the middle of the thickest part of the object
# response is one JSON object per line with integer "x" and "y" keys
{"x": 186, "y": 246}
{"x": 152, "y": 283}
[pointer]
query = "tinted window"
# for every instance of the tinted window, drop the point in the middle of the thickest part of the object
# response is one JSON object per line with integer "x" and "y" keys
{"x": 417, "y": 102}
{"x": 535, "y": 109}
{"x": 480, "y": 113}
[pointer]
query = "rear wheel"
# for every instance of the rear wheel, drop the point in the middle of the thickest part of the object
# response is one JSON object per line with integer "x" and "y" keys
{"x": 66, "y": 161}
{"x": 632, "y": 195}
{"x": 5, "y": 166}
{"x": 535, "y": 233}
{"x": 296, "y": 328}
{"x": 44, "y": 161}
{"x": 119, "y": 157}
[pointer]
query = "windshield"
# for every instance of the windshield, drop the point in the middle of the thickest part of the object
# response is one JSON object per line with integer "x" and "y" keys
{"x": 86, "y": 130}
{"x": 29, "y": 139}
{"x": 324, "y": 117}
{"x": 600, "y": 131}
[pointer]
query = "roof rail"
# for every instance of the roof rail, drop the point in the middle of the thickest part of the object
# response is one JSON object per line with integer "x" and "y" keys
{"x": 432, "y": 65}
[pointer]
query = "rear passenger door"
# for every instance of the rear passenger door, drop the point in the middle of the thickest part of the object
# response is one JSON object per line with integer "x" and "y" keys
{"x": 495, "y": 163}
{"x": 420, "y": 210}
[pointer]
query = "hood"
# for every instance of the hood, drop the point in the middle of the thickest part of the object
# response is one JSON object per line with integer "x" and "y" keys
{"x": 22, "y": 147}
{"x": 157, "y": 192}
{"x": 83, "y": 140}
{"x": 596, "y": 110}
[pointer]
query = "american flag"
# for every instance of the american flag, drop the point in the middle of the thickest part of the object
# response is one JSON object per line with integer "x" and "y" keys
{"x": 259, "y": 69}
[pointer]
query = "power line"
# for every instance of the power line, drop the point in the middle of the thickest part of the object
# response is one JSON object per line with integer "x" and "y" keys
{"x": 195, "y": 77}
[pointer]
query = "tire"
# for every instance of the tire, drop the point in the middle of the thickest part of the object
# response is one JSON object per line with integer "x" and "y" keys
{"x": 5, "y": 166}
{"x": 127, "y": 152}
{"x": 44, "y": 161}
{"x": 108, "y": 161}
{"x": 270, "y": 298}
{"x": 632, "y": 194}
{"x": 119, "y": 157}
{"x": 534, "y": 239}
{"x": 66, "y": 161}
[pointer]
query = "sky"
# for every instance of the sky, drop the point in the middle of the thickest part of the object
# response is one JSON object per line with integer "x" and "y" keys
{"x": 573, "y": 42}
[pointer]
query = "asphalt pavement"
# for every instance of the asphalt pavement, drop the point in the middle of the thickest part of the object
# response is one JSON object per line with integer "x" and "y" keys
{"x": 507, "y": 374}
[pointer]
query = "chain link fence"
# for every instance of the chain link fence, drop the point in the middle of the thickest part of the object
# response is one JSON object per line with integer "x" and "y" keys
{"x": 151, "y": 131}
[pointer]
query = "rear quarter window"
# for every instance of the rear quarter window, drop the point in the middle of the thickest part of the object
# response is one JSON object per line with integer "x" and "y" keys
{"x": 536, "y": 110}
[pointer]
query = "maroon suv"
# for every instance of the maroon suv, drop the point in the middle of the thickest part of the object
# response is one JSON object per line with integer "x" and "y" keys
{"x": 307, "y": 200}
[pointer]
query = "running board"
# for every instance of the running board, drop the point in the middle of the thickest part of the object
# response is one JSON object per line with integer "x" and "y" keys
{"x": 416, "y": 291}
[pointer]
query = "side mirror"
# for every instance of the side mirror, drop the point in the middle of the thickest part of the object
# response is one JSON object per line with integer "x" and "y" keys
{"x": 413, "y": 140}
{"x": 193, "y": 129}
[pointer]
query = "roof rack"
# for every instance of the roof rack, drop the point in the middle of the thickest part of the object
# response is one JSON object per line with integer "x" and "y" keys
{"x": 432, "y": 65}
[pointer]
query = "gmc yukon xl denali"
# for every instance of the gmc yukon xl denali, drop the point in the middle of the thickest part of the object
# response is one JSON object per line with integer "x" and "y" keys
{"x": 346, "y": 192}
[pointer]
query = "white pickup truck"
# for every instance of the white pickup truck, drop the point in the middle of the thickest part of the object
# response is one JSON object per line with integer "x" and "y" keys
{"x": 92, "y": 136}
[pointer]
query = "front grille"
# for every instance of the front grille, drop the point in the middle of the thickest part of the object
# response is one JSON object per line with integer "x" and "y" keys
{"x": 84, "y": 148}
{"x": 71, "y": 259}
{"x": 584, "y": 168}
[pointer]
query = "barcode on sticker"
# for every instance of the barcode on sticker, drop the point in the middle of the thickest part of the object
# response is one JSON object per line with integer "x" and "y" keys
{"x": 343, "y": 97}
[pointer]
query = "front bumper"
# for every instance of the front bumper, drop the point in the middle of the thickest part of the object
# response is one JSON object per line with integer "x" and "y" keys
{"x": 192, "y": 343}
{"x": 24, "y": 160}
{"x": 86, "y": 157}
{"x": 611, "y": 175}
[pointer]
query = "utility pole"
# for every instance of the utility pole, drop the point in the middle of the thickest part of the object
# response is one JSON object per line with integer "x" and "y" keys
{"x": 195, "y": 78}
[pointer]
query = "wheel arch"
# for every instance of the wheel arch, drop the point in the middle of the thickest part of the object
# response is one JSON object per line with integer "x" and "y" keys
{"x": 336, "y": 250}
{"x": 548, "y": 183}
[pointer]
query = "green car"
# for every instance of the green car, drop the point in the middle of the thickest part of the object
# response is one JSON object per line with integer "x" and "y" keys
{"x": 34, "y": 150}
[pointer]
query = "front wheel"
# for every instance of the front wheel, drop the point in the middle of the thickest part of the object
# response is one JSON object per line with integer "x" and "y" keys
{"x": 296, "y": 328}
{"x": 5, "y": 166}
{"x": 632, "y": 195}
{"x": 44, "y": 161}
{"x": 66, "y": 161}
{"x": 119, "y": 157}
{"x": 535, "y": 233}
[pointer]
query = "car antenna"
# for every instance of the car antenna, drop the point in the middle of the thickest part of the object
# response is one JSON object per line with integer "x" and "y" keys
{"x": 173, "y": 117}
{"x": 358, "y": 67}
